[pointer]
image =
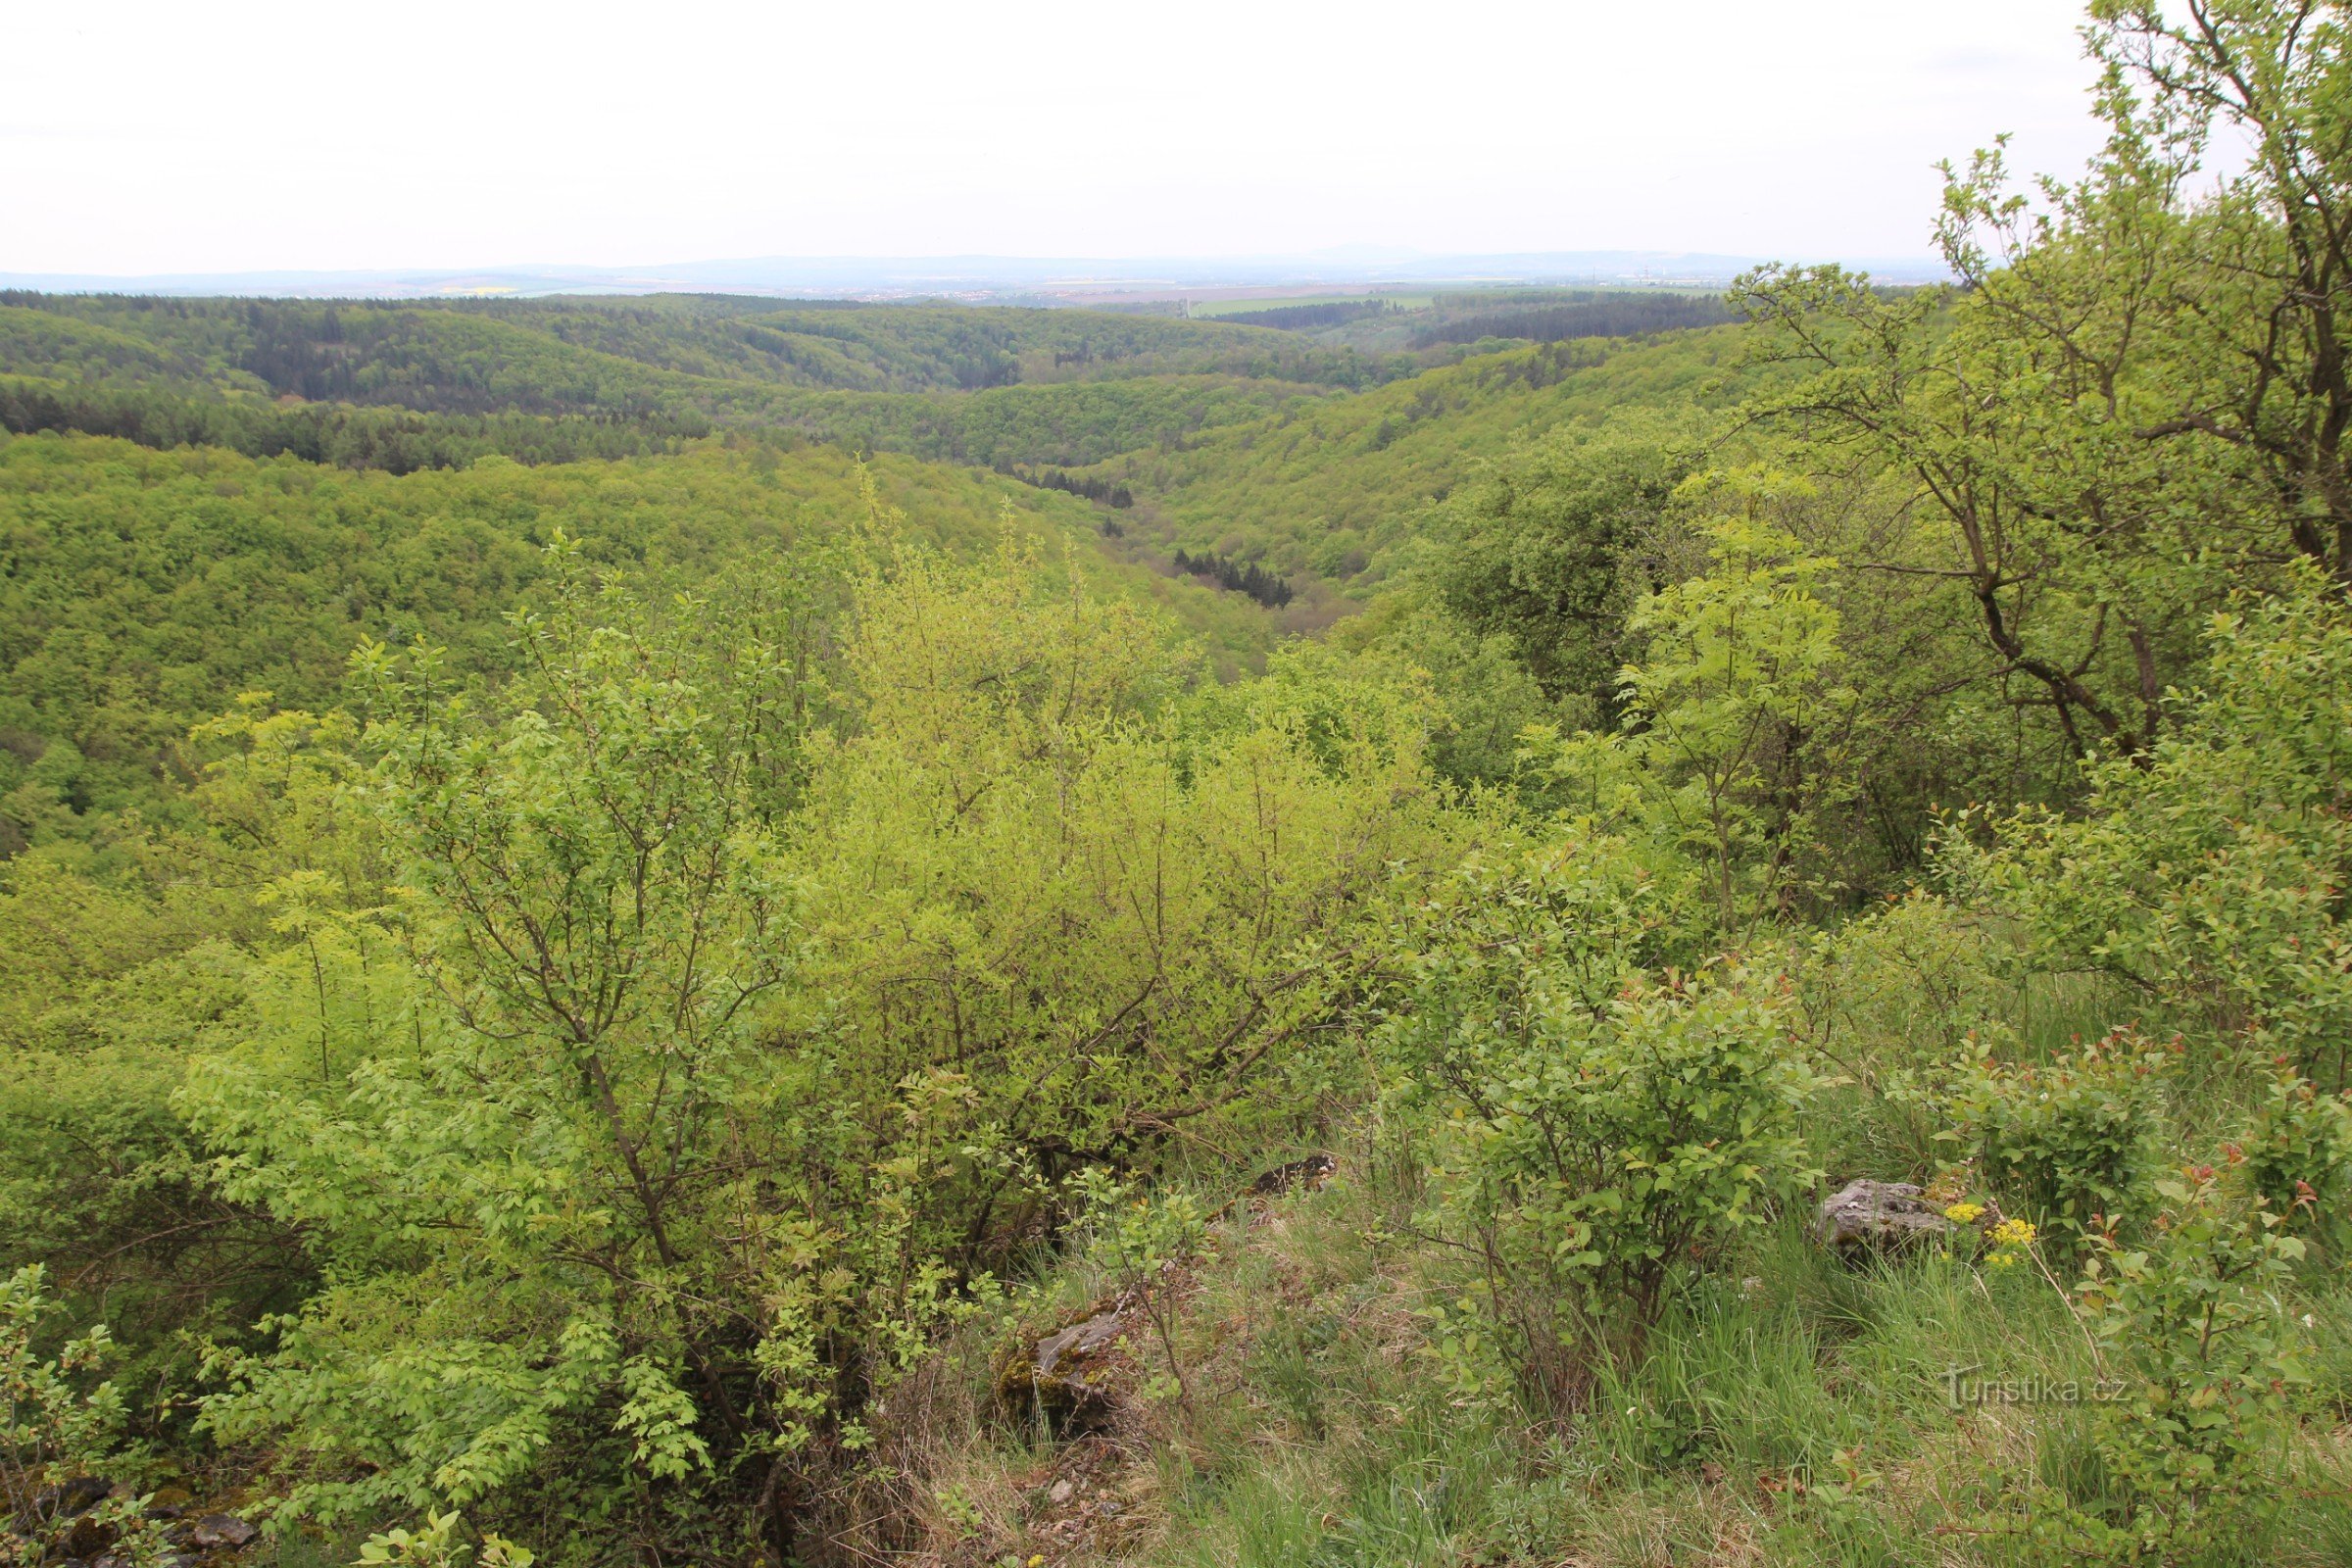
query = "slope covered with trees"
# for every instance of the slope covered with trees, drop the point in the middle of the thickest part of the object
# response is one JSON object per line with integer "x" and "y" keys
{"x": 1335, "y": 489}
{"x": 147, "y": 590}
{"x": 555, "y": 355}
{"x": 1780, "y": 993}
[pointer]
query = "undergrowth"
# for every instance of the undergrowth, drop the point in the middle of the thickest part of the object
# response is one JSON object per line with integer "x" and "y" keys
{"x": 1791, "y": 1406}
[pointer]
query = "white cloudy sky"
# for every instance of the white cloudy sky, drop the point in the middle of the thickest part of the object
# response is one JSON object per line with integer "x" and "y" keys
{"x": 180, "y": 136}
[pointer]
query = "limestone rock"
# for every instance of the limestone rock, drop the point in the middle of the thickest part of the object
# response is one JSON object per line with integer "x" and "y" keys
{"x": 221, "y": 1530}
{"x": 1068, "y": 1376}
{"x": 1309, "y": 1174}
{"x": 1884, "y": 1215}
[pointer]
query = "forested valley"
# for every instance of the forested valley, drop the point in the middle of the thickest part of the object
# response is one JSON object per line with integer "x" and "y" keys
{"x": 1523, "y": 928}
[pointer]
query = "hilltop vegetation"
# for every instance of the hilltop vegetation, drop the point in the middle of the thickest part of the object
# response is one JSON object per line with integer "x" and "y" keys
{"x": 1334, "y": 489}
{"x": 1778, "y": 992}
{"x": 1239, "y": 442}
{"x": 1189, "y": 414}
{"x": 147, "y": 590}
{"x": 566, "y": 357}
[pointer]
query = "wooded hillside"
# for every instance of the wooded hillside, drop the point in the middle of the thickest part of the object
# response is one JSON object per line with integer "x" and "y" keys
{"x": 719, "y": 931}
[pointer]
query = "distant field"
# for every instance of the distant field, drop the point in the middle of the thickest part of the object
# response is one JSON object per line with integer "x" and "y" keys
{"x": 1426, "y": 297}
{"x": 1223, "y": 309}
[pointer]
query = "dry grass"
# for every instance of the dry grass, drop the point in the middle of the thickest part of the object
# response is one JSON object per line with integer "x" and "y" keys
{"x": 1793, "y": 1412}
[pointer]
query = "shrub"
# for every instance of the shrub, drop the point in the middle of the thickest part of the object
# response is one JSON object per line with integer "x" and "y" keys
{"x": 2192, "y": 1329}
{"x": 1890, "y": 1000}
{"x": 440, "y": 1545}
{"x": 1595, "y": 1131}
{"x": 1139, "y": 1240}
{"x": 1736, "y": 717}
{"x": 1905, "y": 985}
{"x": 2076, "y": 1143}
{"x": 699, "y": 1067}
{"x": 2298, "y": 1157}
{"x": 54, "y": 1431}
{"x": 2212, "y": 872}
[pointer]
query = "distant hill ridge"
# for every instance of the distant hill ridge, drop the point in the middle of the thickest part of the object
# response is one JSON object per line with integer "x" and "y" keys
{"x": 899, "y": 278}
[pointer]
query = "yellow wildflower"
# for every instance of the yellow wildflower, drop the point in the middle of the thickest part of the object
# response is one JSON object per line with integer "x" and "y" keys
{"x": 2013, "y": 1233}
{"x": 1964, "y": 1214}
{"x": 2010, "y": 1238}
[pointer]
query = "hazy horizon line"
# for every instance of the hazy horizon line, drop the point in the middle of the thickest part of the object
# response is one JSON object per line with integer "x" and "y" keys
{"x": 982, "y": 272}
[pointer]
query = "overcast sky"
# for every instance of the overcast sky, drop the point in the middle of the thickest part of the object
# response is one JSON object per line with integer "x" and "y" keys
{"x": 201, "y": 135}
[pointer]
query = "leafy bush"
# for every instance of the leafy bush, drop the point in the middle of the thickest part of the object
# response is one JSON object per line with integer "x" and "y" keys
{"x": 2193, "y": 1329}
{"x": 1542, "y": 548}
{"x": 509, "y": 1101}
{"x": 2298, "y": 1155}
{"x": 1891, "y": 1001}
{"x": 1138, "y": 1240}
{"x": 1733, "y": 715}
{"x": 1906, "y": 984}
{"x": 2075, "y": 1143}
{"x": 1595, "y": 1131}
{"x": 438, "y": 1545}
{"x": 2214, "y": 871}
{"x": 739, "y": 1005}
{"x": 56, "y": 1429}
{"x": 1091, "y": 909}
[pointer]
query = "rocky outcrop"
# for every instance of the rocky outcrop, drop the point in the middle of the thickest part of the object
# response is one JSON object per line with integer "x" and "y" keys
{"x": 1067, "y": 1378}
{"x": 216, "y": 1530}
{"x": 81, "y": 1534}
{"x": 1309, "y": 1174}
{"x": 1071, "y": 1378}
{"x": 1877, "y": 1217}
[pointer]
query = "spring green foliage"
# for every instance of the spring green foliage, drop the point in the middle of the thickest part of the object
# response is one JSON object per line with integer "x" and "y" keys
{"x": 1335, "y": 487}
{"x": 583, "y": 940}
{"x": 115, "y": 975}
{"x": 341, "y": 435}
{"x": 148, "y": 589}
{"x": 1433, "y": 327}
{"x": 576, "y": 356}
{"x": 54, "y": 1427}
{"x": 2209, "y": 1361}
{"x": 706, "y": 1019}
{"x": 579, "y": 967}
{"x": 1059, "y": 424}
{"x": 1085, "y": 910}
{"x": 2212, "y": 871}
{"x": 1044, "y": 422}
{"x": 2076, "y": 1143}
{"x": 1591, "y": 1133}
{"x": 2298, "y": 1157}
{"x": 1546, "y": 549}
{"x": 1138, "y": 1240}
{"x": 438, "y": 1545}
{"x": 1731, "y": 721}
{"x": 1557, "y": 319}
